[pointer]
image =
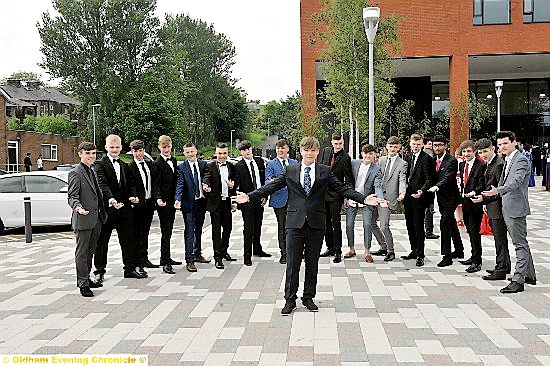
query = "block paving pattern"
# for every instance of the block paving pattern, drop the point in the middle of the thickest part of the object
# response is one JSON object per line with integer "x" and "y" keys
{"x": 370, "y": 314}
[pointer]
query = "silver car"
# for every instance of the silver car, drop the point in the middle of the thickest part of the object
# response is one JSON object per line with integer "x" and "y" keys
{"x": 48, "y": 193}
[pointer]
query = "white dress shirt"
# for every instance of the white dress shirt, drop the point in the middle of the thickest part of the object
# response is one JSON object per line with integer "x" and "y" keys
{"x": 169, "y": 161}
{"x": 415, "y": 159}
{"x": 116, "y": 166}
{"x": 284, "y": 162}
{"x": 508, "y": 159}
{"x": 224, "y": 176}
{"x": 145, "y": 180}
{"x": 192, "y": 165}
{"x": 390, "y": 161}
{"x": 311, "y": 173}
{"x": 360, "y": 183}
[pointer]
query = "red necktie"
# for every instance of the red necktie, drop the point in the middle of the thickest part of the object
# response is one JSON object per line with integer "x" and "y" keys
{"x": 437, "y": 165}
{"x": 466, "y": 170}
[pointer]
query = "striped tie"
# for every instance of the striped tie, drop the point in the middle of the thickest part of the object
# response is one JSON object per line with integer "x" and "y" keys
{"x": 307, "y": 180}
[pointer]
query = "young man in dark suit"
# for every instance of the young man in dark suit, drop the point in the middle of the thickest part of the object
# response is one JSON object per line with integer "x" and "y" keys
{"x": 472, "y": 183}
{"x": 164, "y": 191}
{"x": 86, "y": 201}
{"x": 142, "y": 174}
{"x": 495, "y": 166}
{"x": 307, "y": 185}
{"x": 191, "y": 200}
{"x": 219, "y": 181}
{"x": 420, "y": 177}
{"x": 119, "y": 192}
{"x": 249, "y": 176}
{"x": 340, "y": 163}
{"x": 448, "y": 198}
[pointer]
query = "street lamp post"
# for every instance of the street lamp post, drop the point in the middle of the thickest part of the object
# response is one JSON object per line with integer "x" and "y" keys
{"x": 231, "y": 137}
{"x": 371, "y": 16}
{"x": 498, "y": 90}
{"x": 93, "y": 115}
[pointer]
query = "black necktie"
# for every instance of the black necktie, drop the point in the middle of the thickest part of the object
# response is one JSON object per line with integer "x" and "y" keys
{"x": 284, "y": 163}
{"x": 503, "y": 175}
{"x": 146, "y": 176}
{"x": 387, "y": 170}
{"x": 253, "y": 172}
{"x": 196, "y": 180}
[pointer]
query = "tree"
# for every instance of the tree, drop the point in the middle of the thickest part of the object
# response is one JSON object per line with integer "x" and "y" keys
{"x": 24, "y": 76}
{"x": 282, "y": 117}
{"x": 58, "y": 124}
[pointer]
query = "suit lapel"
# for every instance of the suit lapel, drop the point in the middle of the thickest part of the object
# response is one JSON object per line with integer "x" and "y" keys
{"x": 512, "y": 163}
{"x": 87, "y": 177}
{"x": 296, "y": 176}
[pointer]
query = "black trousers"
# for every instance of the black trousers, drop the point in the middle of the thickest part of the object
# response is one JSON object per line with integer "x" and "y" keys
{"x": 306, "y": 242}
{"x": 280, "y": 213}
{"x": 472, "y": 220}
{"x": 253, "y": 215}
{"x": 449, "y": 230}
{"x": 167, "y": 215}
{"x": 414, "y": 220}
{"x": 333, "y": 218}
{"x": 143, "y": 216}
{"x": 429, "y": 220}
{"x": 221, "y": 219}
{"x": 500, "y": 234}
{"x": 122, "y": 221}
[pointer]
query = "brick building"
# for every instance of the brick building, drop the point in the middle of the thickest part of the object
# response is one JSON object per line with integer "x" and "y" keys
{"x": 451, "y": 47}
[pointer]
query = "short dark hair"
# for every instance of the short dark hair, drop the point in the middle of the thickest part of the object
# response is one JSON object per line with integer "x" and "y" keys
{"x": 467, "y": 143}
{"x": 367, "y": 148}
{"x": 393, "y": 140}
{"x": 336, "y": 136}
{"x": 137, "y": 145}
{"x": 281, "y": 143}
{"x": 244, "y": 144}
{"x": 28, "y": 153}
{"x": 428, "y": 139}
{"x": 188, "y": 145}
{"x": 504, "y": 134}
{"x": 483, "y": 143}
{"x": 86, "y": 146}
{"x": 221, "y": 145}
{"x": 440, "y": 138}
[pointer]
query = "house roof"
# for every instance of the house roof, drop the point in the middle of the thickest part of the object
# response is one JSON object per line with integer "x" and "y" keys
{"x": 21, "y": 94}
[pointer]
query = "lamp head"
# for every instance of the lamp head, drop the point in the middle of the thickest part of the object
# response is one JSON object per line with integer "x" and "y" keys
{"x": 371, "y": 16}
{"x": 498, "y": 87}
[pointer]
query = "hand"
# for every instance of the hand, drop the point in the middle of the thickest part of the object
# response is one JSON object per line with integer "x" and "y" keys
{"x": 371, "y": 200}
{"x": 206, "y": 188}
{"x": 492, "y": 192}
{"x": 401, "y": 197}
{"x": 433, "y": 189}
{"x": 177, "y": 205}
{"x": 161, "y": 203}
{"x": 346, "y": 203}
{"x": 242, "y": 197}
{"x": 477, "y": 199}
{"x": 82, "y": 211}
{"x": 417, "y": 194}
{"x": 263, "y": 201}
{"x": 134, "y": 199}
{"x": 471, "y": 194}
{"x": 230, "y": 183}
{"x": 383, "y": 203}
{"x": 118, "y": 205}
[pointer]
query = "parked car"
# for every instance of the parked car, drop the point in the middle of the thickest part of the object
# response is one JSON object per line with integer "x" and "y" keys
{"x": 48, "y": 192}
{"x": 238, "y": 158}
{"x": 66, "y": 167}
{"x": 2, "y": 172}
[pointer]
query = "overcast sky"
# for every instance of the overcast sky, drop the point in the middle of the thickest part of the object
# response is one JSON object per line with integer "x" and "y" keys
{"x": 266, "y": 35}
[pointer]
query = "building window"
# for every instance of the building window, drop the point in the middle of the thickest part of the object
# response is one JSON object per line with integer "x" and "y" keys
{"x": 536, "y": 11}
{"x": 49, "y": 152}
{"x": 491, "y": 12}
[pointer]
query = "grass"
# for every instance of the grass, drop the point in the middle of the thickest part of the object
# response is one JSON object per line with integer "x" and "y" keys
{"x": 257, "y": 137}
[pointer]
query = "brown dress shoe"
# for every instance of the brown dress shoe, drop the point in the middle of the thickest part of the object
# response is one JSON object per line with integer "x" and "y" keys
{"x": 349, "y": 255}
{"x": 201, "y": 259}
{"x": 368, "y": 258}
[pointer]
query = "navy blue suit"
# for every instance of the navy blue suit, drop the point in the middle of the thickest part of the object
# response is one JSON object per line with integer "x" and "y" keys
{"x": 278, "y": 200}
{"x": 193, "y": 206}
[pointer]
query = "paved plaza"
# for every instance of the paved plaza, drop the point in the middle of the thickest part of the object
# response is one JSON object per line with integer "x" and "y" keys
{"x": 370, "y": 314}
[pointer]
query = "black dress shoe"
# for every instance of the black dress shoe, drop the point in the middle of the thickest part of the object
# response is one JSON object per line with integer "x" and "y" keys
{"x": 432, "y": 236}
{"x": 86, "y": 292}
{"x": 262, "y": 254}
{"x": 389, "y": 257}
{"x": 310, "y": 305}
{"x": 494, "y": 277}
{"x": 99, "y": 278}
{"x": 93, "y": 284}
{"x": 289, "y": 307}
{"x": 219, "y": 264}
{"x": 174, "y": 263}
{"x": 201, "y": 259}
{"x": 411, "y": 255}
{"x": 474, "y": 268}
{"x": 227, "y": 257}
{"x": 327, "y": 253}
{"x": 528, "y": 280}
{"x": 247, "y": 262}
{"x": 447, "y": 261}
{"x": 148, "y": 264}
{"x": 467, "y": 262}
{"x": 380, "y": 252}
{"x": 142, "y": 271}
{"x": 133, "y": 274}
{"x": 282, "y": 260}
{"x": 168, "y": 269}
{"x": 457, "y": 254}
{"x": 419, "y": 262}
{"x": 490, "y": 271}
{"x": 337, "y": 258}
{"x": 512, "y": 288}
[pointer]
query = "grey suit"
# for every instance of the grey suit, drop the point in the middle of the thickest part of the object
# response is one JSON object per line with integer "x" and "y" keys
{"x": 394, "y": 183}
{"x": 513, "y": 189}
{"x": 84, "y": 193}
{"x": 373, "y": 184}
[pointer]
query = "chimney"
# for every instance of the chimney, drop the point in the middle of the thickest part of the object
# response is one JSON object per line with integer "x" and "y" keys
{"x": 35, "y": 84}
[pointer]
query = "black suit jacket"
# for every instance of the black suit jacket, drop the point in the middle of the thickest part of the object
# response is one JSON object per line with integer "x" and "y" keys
{"x": 475, "y": 183}
{"x": 164, "y": 183}
{"x": 492, "y": 177}
{"x": 341, "y": 169}
{"x": 302, "y": 207}
{"x": 243, "y": 179}
{"x": 420, "y": 178}
{"x": 138, "y": 182}
{"x": 108, "y": 182}
{"x": 448, "y": 194}
{"x": 212, "y": 178}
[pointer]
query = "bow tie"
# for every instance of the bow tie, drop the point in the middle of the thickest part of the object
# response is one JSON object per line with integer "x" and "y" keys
{"x": 167, "y": 159}
{"x": 116, "y": 161}
{"x": 224, "y": 164}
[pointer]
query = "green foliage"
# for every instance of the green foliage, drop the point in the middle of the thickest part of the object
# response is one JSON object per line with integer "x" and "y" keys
{"x": 24, "y": 76}
{"x": 12, "y": 123}
{"x": 58, "y": 124}
{"x": 401, "y": 122}
{"x": 283, "y": 117}
{"x": 29, "y": 123}
{"x": 257, "y": 137}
